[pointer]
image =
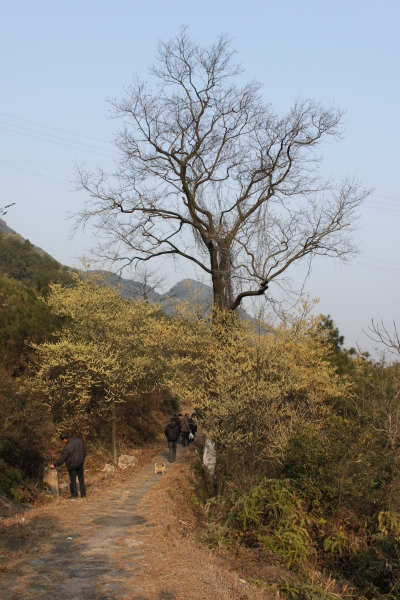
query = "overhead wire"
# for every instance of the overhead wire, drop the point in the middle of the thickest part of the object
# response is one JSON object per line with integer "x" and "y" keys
{"x": 381, "y": 269}
{"x": 387, "y": 197}
{"x": 55, "y": 128}
{"x": 30, "y": 172}
{"x": 57, "y": 137}
{"x": 32, "y": 163}
{"x": 381, "y": 260}
{"x": 57, "y": 143}
{"x": 379, "y": 208}
{"x": 382, "y": 203}
{"x": 376, "y": 268}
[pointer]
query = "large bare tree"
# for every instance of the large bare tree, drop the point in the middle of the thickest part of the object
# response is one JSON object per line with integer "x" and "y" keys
{"x": 210, "y": 174}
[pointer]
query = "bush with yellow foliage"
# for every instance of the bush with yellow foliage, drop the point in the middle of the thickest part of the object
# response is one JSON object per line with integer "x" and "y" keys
{"x": 252, "y": 386}
{"x": 112, "y": 353}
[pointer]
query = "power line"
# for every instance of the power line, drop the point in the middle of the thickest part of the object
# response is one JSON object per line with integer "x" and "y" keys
{"x": 55, "y": 128}
{"x": 57, "y": 137}
{"x": 30, "y": 172}
{"x": 380, "y": 269}
{"x": 383, "y": 203}
{"x": 378, "y": 208}
{"x": 388, "y": 197}
{"x": 57, "y": 143}
{"x": 32, "y": 163}
{"x": 380, "y": 260}
{"x": 376, "y": 268}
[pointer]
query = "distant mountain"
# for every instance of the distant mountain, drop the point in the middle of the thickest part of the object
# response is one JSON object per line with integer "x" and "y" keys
{"x": 183, "y": 290}
{"x": 187, "y": 289}
{"x": 129, "y": 289}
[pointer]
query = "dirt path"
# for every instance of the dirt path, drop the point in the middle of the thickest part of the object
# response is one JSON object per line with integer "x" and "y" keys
{"x": 125, "y": 543}
{"x": 95, "y": 556}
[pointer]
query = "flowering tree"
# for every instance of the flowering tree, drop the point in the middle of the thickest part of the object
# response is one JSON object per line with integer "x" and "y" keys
{"x": 112, "y": 351}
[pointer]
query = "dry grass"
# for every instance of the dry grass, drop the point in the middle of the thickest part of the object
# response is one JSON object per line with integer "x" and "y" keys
{"x": 177, "y": 565}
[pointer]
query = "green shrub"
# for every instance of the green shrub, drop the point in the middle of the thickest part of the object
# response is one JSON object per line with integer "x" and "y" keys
{"x": 375, "y": 569}
{"x": 10, "y": 478}
{"x": 342, "y": 465}
{"x": 272, "y": 516}
{"x": 24, "y": 426}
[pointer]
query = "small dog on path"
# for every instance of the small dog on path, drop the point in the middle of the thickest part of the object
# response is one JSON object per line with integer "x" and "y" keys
{"x": 159, "y": 469}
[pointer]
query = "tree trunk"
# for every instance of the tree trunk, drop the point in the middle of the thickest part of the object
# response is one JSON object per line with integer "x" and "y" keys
{"x": 218, "y": 263}
{"x": 218, "y": 292}
{"x": 114, "y": 432}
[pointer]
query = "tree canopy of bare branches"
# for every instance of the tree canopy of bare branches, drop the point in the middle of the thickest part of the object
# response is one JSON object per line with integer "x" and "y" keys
{"x": 210, "y": 174}
{"x": 380, "y": 334}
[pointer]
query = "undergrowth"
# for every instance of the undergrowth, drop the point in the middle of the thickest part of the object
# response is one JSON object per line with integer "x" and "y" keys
{"x": 319, "y": 556}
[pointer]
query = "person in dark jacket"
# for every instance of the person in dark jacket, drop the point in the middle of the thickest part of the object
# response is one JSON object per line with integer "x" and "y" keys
{"x": 193, "y": 426}
{"x": 171, "y": 433}
{"x": 178, "y": 422}
{"x": 73, "y": 456}
{"x": 185, "y": 429}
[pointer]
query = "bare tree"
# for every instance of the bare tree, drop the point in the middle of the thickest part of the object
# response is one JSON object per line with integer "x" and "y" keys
{"x": 380, "y": 334}
{"x": 146, "y": 281}
{"x": 210, "y": 174}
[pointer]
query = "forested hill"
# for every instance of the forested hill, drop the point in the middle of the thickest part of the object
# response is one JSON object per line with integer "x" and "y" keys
{"x": 5, "y": 229}
{"x": 25, "y": 275}
{"x": 21, "y": 260}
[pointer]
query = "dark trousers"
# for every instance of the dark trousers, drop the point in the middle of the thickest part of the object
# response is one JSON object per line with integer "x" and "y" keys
{"x": 185, "y": 438}
{"x": 78, "y": 471}
{"x": 172, "y": 451}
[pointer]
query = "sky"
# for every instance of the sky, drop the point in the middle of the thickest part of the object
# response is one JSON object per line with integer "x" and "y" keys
{"x": 61, "y": 61}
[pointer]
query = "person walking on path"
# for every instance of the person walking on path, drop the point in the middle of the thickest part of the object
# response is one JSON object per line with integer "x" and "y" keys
{"x": 185, "y": 429}
{"x": 171, "y": 433}
{"x": 178, "y": 422}
{"x": 193, "y": 427}
{"x": 73, "y": 456}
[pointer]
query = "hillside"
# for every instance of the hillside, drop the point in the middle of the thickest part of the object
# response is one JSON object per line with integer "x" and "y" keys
{"x": 6, "y": 230}
{"x": 28, "y": 264}
{"x": 23, "y": 261}
{"x": 25, "y": 274}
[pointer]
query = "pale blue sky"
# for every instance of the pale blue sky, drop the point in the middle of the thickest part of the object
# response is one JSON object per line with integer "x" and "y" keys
{"x": 60, "y": 61}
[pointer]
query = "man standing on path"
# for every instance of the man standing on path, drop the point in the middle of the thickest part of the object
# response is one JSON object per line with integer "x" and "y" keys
{"x": 171, "y": 433}
{"x": 73, "y": 456}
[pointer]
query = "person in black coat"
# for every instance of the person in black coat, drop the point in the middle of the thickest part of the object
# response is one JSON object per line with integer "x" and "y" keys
{"x": 193, "y": 427}
{"x": 171, "y": 433}
{"x": 73, "y": 456}
{"x": 178, "y": 422}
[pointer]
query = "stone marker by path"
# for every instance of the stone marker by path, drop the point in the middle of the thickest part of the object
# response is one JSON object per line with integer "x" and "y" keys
{"x": 50, "y": 478}
{"x": 108, "y": 468}
{"x": 210, "y": 456}
{"x": 126, "y": 460}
